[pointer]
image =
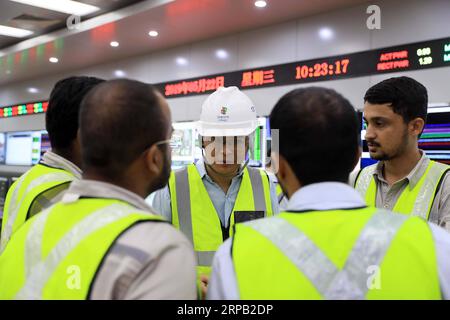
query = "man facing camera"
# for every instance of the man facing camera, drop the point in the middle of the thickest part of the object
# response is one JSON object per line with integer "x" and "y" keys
{"x": 404, "y": 180}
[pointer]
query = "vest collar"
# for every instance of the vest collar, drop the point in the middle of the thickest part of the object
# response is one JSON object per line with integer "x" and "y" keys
{"x": 56, "y": 161}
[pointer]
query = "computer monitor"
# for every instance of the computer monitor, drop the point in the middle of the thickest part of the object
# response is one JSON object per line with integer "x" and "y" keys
{"x": 435, "y": 139}
{"x": 183, "y": 144}
{"x": 257, "y": 152}
{"x": 19, "y": 148}
{"x": 45, "y": 143}
{"x": 25, "y": 148}
{"x": 2, "y": 148}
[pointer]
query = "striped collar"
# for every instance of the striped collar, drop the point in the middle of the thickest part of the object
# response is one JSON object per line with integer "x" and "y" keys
{"x": 56, "y": 161}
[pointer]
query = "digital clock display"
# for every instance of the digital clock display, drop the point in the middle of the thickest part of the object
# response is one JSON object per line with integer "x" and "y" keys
{"x": 323, "y": 69}
{"x": 415, "y": 56}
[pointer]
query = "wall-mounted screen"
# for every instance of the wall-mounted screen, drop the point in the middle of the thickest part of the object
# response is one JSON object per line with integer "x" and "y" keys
{"x": 19, "y": 148}
{"x": 407, "y": 57}
{"x": 25, "y": 148}
{"x": 2, "y": 148}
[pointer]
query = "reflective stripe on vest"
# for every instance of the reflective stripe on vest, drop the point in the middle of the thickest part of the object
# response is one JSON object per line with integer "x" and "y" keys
{"x": 16, "y": 203}
{"x": 417, "y": 202}
{"x": 332, "y": 283}
{"x": 39, "y": 270}
{"x": 333, "y": 254}
{"x": 182, "y": 216}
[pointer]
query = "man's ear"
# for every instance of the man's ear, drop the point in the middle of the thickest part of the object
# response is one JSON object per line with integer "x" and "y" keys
{"x": 281, "y": 166}
{"x": 416, "y": 126}
{"x": 358, "y": 156}
{"x": 154, "y": 159}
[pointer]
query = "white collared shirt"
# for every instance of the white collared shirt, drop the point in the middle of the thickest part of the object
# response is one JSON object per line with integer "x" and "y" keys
{"x": 319, "y": 196}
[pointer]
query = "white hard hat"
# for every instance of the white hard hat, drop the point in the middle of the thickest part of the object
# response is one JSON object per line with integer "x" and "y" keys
{"x": 227, "y": 112}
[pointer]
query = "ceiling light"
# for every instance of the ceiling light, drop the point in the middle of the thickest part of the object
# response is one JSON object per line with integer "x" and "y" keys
{"x": 119, "y": 73}
{"x": 260, "y": 4}
{"x": 14, "y": 32}
{"x": 53, "y": 60}
{"x": 221, "y": 54}
{"x": 33, "y": 90}
{"x": 326, "y": 33}
{"x": 65, "y": 6}
{"x": 153, "y": 33}
{"x": 114, "y": 44}
{"x": 181, "y": 61}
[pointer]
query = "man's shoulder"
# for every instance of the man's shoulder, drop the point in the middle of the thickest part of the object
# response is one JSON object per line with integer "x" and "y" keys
{"x": 150, "y": 242}
{"x": 153, "y": 234}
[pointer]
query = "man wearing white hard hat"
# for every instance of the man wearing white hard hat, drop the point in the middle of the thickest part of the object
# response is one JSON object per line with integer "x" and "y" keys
{"x": 205, "y": 200}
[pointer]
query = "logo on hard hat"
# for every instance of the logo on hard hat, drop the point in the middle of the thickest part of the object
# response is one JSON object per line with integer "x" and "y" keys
{"x": 224, "y": 110}
{"x": 253, "y": 109}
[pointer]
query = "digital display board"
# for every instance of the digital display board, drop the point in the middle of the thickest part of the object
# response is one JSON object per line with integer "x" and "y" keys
{"x": 25, "y": 148}
{"x": 23, "y": 109}
{"x": 415, "y": 56}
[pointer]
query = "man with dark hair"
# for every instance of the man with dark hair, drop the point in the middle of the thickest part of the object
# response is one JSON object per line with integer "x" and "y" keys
{"x": 103, "y": 227}
{"x": 44, "y": 184}
{"x": 404, "y": 180}
{"x": 328, "y": 244}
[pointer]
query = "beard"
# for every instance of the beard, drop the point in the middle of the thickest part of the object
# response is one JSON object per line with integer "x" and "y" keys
{"x": 385, "y": 156}
{"x": 162, "y": 180}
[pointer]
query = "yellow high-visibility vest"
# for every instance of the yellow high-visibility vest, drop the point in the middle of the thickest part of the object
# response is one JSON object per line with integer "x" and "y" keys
{"x": 417, "y": 201}
{"x": 20, "y": 197}
{"x": 57, "y": 253}
{"x": 194, "y": 214}
{"x": 337, "y": 254}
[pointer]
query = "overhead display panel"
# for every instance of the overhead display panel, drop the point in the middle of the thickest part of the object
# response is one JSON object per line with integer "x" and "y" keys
{"x": 23, "y": 109}
{"x": 415, "y": 56}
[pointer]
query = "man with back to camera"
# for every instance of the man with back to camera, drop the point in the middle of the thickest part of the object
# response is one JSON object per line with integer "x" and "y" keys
{"x": 45, "y": 183}
{"x": 205, "y": 199}
{"x": 404, "y": 180}
{"x": 328, "y": 244}
{"x": 103, "y": 230}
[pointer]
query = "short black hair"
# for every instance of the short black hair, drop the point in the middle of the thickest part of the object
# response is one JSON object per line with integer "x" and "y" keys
{"x": 407, "y": 97}
{"x": 119, "y": 119}
{"x": 318, "y": 134}
{"x": 61, "y": 118}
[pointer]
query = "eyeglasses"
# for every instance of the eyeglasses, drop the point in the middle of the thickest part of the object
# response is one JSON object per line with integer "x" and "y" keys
{"x": 158, "y": 143}
{"x": 162, "y": 142}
